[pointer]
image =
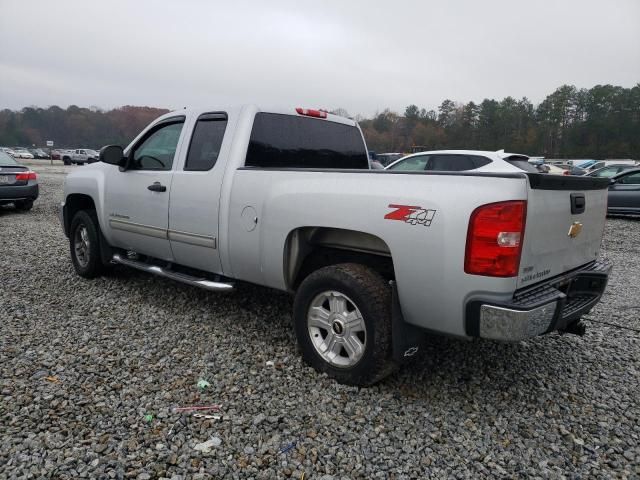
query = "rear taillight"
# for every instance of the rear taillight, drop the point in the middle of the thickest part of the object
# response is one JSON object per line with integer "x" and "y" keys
{"x": 494, "y": 239}
{"x": 308, "y": 112}
{"x": 26, "y": 176}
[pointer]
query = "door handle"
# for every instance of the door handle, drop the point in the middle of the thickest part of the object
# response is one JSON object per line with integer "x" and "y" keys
{"x": 157, "y": 187}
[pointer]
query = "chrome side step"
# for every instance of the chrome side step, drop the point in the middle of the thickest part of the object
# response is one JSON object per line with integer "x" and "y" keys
{"x": 179, "y": 277}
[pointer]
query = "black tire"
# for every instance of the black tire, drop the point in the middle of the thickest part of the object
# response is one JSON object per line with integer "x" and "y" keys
{"x": 24, "y": 205}
{"x": 371, "y": 295}
{"x": 66, "y": 161}
{"x": 91, "y": 265}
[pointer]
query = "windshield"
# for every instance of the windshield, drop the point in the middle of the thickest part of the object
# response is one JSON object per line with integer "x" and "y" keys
{"x": 6, "y": 159}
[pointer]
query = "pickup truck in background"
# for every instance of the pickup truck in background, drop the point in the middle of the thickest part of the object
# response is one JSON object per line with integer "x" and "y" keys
{"x": 80, "y": 156}
{"x": 285, "y": 198}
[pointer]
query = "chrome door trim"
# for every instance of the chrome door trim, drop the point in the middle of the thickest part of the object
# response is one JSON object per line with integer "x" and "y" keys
{"x": 192, "y": 239}
{"x": 138, "y": 228}
{"x": 173, "y": 235}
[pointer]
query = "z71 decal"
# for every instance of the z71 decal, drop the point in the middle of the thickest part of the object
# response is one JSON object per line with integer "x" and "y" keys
{"x": 411, "y": 215}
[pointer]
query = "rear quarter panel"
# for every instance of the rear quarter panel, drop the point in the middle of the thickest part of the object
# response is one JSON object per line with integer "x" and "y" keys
{"x": 428, "y": 260}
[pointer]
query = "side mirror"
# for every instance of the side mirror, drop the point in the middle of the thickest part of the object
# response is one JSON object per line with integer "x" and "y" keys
{"x": 113, "y": 155}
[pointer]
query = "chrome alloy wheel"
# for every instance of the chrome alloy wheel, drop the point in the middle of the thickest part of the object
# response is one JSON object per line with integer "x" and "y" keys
{"x": 337, "y": 329}
{"x": 81, "y": 245}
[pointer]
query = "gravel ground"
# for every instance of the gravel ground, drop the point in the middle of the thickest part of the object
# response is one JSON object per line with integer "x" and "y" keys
{"x": 90, "y": 371}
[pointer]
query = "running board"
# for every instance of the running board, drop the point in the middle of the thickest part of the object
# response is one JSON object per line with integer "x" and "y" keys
{"x": 179, "y": 277}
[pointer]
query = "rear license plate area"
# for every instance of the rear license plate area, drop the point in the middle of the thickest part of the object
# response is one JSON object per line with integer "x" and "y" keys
{"x": 5, "y": 180}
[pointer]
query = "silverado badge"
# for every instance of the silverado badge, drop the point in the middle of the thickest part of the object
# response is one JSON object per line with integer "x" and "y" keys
{"x": 575, "y": 229}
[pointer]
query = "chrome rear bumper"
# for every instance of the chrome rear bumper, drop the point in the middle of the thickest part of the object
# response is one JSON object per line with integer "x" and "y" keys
{"x": 551, "y": 305}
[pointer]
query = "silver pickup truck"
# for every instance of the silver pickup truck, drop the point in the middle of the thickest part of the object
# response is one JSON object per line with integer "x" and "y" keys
{"x": 284, "y": 198}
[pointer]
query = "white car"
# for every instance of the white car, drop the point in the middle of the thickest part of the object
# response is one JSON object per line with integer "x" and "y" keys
{"x": 22, "y": 153}
{"x": 463, "y": 160}
{"x": 8, "y": 151}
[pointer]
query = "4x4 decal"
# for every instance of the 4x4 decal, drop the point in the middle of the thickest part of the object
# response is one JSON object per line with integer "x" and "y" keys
{"x": 411, "y": 215}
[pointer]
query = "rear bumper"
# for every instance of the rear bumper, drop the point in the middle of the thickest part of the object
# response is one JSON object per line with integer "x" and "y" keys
{"x": 543, "y": 308}
{"x": 10, "y": 193}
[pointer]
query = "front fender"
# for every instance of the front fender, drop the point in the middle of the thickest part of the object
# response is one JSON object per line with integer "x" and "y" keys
{"x": 90, "y": 182}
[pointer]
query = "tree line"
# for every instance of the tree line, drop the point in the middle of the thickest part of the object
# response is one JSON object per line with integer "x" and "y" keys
{"x": 601, "y": 122}
{"x": 74, "y": 126}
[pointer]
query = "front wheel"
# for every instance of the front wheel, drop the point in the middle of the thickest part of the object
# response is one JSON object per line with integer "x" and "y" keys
{"x": 85, "y": 245}
{"x": 342, "y": 316}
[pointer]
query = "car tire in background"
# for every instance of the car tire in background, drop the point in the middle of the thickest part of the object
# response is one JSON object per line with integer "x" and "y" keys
{"x": 66, "y": 161}
{"x": 84, "y": 244}
{"x": 24, "y": 205}
{"x": 342, "y": 321}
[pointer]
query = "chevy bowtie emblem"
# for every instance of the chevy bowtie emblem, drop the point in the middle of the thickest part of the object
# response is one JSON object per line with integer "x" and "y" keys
{"x": 575, "y": 229}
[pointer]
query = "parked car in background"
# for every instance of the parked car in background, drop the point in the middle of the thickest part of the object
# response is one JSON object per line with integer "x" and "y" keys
{"x": 575, "y": 170}
{"x": 463, "y": 160}
{"x": 587, "y": 165}
{"x": 22, "y": 153}
{"x": 18, "y": 184}
{"x": 80, "y": 156}
{"x": 624, "y": 193}
{"x": 611, "y": 170}
{"x": 555, "y": 170}
{"x": 8, "y": 151}
{"x": 388, "y": 158}
{"x": 38, "y": 153}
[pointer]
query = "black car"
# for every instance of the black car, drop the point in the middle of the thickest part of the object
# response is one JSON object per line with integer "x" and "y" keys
{"x": 18, "y": 184}
{"x": 611, "y": 170}
{"x": 624, "y": 193}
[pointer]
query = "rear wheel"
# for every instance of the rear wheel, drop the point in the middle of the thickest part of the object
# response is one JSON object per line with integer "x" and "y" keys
{"x": 85, "y": 245}
{"x": 24, "y": 205}
{"x": 342, "y": 316}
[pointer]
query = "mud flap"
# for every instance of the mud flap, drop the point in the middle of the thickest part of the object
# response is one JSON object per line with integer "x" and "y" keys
{"x": 407, "y": 339}
{"x": 106, "y": 252}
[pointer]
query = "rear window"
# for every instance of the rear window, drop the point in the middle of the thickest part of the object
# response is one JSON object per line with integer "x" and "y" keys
{"x": 287, "y": 141}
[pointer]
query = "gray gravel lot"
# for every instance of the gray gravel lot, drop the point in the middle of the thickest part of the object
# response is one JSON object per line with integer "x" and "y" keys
{"x": 83, "y": 362}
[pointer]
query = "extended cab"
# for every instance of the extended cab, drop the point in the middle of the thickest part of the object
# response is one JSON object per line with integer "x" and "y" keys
{"x": 284, "y": 198}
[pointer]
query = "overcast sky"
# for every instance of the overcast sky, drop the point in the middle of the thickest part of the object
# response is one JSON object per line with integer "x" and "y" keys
{"x": 363, "y": 56}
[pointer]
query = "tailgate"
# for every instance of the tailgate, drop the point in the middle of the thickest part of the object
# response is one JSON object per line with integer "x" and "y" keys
{"x": 564, "y": 226}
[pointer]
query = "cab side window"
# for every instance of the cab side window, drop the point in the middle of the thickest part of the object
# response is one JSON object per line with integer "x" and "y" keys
{"x": 158, "y": 148}
{"x": 206, "y": 142}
